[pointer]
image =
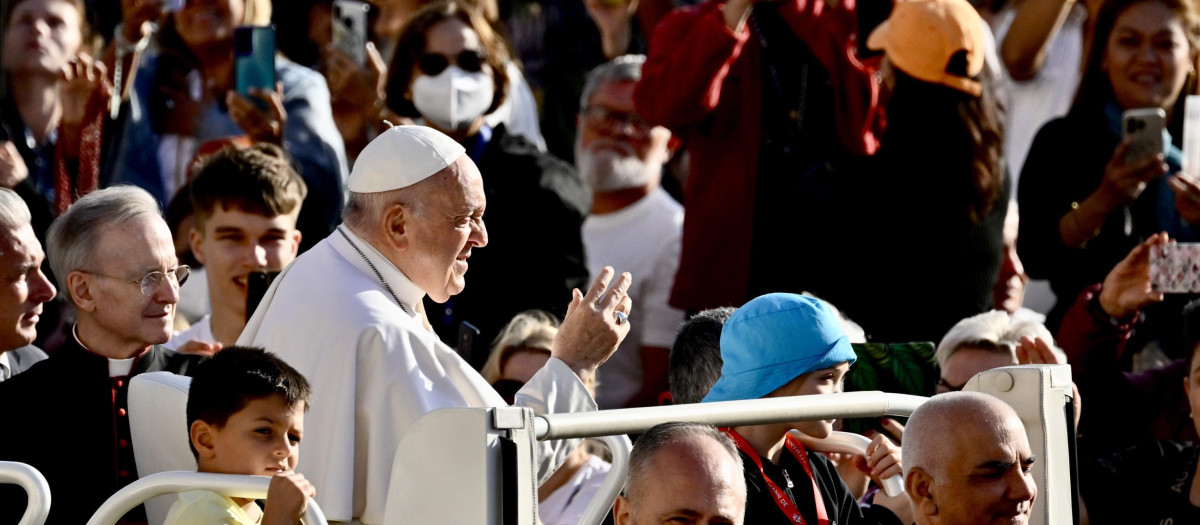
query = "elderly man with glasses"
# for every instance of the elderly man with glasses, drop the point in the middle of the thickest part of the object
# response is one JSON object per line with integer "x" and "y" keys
{"x": 113, "y": 256}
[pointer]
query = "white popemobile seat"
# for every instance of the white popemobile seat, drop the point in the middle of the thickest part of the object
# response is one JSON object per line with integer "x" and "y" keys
{"x": 165, "y": 464}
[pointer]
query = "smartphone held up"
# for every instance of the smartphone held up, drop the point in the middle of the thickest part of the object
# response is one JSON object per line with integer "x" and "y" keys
{"x": 350, "y": 29}
{"x": 1175, "y": 268}
{"x": 254, "y": 60}
{"x": 1143, "y": 129}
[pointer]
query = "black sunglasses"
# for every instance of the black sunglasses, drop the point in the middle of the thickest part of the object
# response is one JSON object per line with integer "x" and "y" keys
{"x": 433, "y": 64}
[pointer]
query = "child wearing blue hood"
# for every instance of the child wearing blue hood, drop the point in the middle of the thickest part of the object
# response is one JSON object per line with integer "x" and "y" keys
{"x": 781, "y": 345}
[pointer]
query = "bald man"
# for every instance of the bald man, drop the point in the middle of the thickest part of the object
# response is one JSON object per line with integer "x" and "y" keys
{"x": 967, "y": 461}
{"x": 686, "y": 473}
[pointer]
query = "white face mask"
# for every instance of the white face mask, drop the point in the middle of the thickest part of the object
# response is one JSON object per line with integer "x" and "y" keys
{"x": 454, "y": 98}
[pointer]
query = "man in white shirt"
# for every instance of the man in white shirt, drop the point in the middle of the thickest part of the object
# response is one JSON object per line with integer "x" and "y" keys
{"x": 634, "y": 226}
{"x": 347, "y": 314}
{"x": 245, "y": 201}
{"x": 24, "y": 288}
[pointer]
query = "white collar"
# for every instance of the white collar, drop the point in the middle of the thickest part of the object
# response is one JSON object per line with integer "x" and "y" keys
{"x": 405, "y": 290}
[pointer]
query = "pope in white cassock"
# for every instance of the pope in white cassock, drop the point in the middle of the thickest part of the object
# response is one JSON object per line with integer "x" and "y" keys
{"x": 347, "y": 314}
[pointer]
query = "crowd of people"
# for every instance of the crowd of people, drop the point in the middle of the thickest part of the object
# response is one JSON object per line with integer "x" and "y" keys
{"x": 658, "y": 202}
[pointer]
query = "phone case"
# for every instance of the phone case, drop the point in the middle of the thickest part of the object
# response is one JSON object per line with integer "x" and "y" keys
{"x": 1175, "y": 268}
{"x": 350, "y": 29}
{"x": 254, "y": 59}
{"x": 1144, "y": 129}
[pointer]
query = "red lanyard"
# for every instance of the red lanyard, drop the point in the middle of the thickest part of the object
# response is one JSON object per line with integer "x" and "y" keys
{"x": 781, "y": 499}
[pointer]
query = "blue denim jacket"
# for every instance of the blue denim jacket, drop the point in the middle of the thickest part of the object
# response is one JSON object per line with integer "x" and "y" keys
{"x": 310, "y": 137}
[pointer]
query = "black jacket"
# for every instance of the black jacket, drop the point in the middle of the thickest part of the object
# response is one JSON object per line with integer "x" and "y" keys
{"x": 67, "y": 418}
{"x": 839, "y": 502}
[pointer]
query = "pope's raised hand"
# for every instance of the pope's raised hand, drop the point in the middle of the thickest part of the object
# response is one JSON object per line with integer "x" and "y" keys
{"x": 595, "y": 324}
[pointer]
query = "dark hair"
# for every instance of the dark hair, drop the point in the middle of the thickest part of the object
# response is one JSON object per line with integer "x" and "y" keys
{"x": 411, "y": 44}
{"x": 225, "y": 383}
{"x": 957, "y": 135}
{"x": 1095, "y": 89}
{"x": 256, "y": 179}
{"x": 695, "y": 362}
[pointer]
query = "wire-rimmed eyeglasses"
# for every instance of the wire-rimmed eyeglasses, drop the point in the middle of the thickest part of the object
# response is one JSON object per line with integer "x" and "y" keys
{"x": 149, "y": 283}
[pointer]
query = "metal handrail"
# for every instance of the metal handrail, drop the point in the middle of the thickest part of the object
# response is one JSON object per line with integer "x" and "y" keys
{"x": 726, "y": 413}
{"x": 614, "y": 481}
{"x": 232, "y": 485}
{"x": 38, "y": 507}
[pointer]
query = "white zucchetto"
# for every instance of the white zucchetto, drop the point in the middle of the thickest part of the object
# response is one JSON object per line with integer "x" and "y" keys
{"x": 400, "y": 157}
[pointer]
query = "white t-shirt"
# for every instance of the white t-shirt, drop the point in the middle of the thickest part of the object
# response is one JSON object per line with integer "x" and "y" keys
{"x": 643, "y": 239}
{"x": 201, "y": 331}
{"x": 1048, "y": 95}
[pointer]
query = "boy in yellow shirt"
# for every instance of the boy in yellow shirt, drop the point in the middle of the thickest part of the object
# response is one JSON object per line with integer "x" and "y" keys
{"x": 245, "y": 414}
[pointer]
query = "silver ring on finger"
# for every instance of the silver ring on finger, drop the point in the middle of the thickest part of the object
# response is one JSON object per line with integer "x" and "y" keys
{"x": 621, "y": 318}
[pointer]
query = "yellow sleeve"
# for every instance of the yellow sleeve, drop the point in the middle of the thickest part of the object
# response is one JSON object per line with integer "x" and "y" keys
{"x": 202, "y": 507}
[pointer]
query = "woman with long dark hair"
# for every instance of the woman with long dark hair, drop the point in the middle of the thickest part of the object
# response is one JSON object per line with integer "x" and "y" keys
{"x": 929, "y": 240}
{"x": 1084, "y": 204}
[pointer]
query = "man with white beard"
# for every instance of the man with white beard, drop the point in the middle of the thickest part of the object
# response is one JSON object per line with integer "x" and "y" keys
{"x": 634, "y": 226}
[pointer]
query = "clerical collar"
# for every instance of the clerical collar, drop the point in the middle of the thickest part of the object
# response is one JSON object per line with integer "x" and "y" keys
{"x": 405, "y": 292}
{"x": 116, "y": 367}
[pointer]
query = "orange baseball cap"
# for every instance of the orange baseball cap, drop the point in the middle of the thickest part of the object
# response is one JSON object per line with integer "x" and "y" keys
{"x": 921, "y": 36}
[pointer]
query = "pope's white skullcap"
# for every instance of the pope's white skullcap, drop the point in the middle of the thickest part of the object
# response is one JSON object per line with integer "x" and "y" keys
{"x": 400, "y": 157}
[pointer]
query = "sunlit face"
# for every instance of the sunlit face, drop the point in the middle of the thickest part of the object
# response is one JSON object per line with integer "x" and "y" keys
{"x": 985, "y": 475}
{"x": 41, "y": 36}
{"x": 126, "y": 253}
{"x": 522, "y": 364}
{"x": 968, "y": 361}
{"x": 615, "y": 148}
{"x": 1009, "y": 291}
{"x": 441, "y": 235}
{"x": 825, "y": 381}
{"x": 203, "y": 23}
{"x": 694, "y": 482}
{"x": 23, "y": 287}
{"x": 262, "y": 439}
{"x": 234, "y": 243}
{"x": 1148, "y": 57}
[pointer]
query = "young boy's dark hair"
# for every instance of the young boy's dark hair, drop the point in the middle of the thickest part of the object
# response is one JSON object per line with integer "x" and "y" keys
{"x": 226, "y": 382}
{"x": 257, "y": 179}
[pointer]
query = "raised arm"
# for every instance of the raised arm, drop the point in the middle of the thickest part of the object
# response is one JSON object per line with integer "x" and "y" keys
{"x": 690, "y": 57}
{"x": 1034, "y": 27}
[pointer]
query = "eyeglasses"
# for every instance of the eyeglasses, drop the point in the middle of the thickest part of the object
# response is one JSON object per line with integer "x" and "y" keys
{"x": 607, "y": 119}
{"x": 433, "y": 64}
{"x": 150, "y": 282}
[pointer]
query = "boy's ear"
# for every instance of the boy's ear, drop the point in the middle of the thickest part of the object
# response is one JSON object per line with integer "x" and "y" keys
{"x": 195, "y": 239}
{"x": 203, "y": 435}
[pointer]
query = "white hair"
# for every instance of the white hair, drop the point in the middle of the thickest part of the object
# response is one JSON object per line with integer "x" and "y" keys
{"x": 71, "y": 240}
{"x": 13, "y": 212}
{"x": 996, "y": 331}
